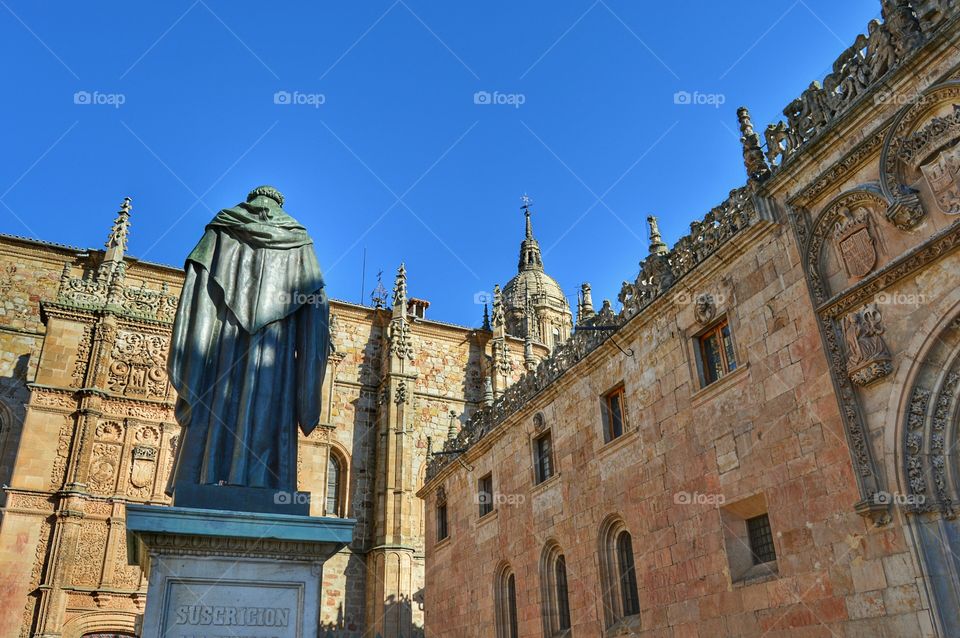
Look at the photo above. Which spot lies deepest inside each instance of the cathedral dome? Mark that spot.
(541, 287)
(535, 299)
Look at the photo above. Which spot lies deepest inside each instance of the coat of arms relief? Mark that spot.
(855, 244)
(920, 162)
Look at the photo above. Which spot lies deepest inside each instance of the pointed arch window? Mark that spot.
(505, 603)
(333, 506)
(618, 573)
(554, 594)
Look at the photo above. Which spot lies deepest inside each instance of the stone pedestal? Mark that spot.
(215, 573)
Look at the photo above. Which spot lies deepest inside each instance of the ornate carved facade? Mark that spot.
(87, 425)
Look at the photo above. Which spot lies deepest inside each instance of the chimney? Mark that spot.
(417, 307)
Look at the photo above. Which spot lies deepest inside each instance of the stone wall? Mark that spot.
(835, 266)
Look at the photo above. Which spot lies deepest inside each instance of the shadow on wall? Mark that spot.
(14, 395)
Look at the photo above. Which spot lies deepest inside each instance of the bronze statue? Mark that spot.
(247, 357)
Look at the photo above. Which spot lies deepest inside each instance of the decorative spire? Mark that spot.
(529, 360)
(400, 288)
(379, 295)
(657, 247)
(585, 304)
(526, 201)
(452, 428)
(753, 159)
(117, 240)
(486, 317)
(530, 257)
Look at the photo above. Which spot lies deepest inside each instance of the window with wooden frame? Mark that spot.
(715, 349)
(543, 457)
(485, 494)
(612, 412)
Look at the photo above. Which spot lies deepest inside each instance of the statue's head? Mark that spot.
(266, 191)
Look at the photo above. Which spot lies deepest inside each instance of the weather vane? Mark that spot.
(526, 201)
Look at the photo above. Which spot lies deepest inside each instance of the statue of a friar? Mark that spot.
(247, 357)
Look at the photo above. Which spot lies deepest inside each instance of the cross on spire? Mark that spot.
(525, 207)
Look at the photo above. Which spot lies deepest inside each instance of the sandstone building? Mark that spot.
(761, 441)
(86, 425)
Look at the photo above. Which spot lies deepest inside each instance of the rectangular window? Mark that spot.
(441, 521)
(612, 408)
(485, 494)
(716, 352)
(761, 539)
(543, 457)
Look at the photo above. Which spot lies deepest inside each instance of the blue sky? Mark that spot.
(378, 141)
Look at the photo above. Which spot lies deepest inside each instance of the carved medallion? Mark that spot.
(705, 308)
(940, 175)
(854, 243)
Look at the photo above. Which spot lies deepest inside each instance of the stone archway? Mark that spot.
(101, 624)
(928, 459)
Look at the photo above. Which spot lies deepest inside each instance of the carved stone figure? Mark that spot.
(868, 358)
(248, 351)
(881, 53)
(705, 308)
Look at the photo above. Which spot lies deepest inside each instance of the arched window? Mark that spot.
(553, 590)
(618, 573)
(505, 603)
(334, 503)
(627, 574)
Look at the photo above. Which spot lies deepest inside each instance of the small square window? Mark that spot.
(748, 540)
(761, 539)
(716, 352)
(612, 408)
(543, 457)
(485, 494)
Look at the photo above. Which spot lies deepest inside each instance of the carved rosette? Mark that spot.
(920, 160)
